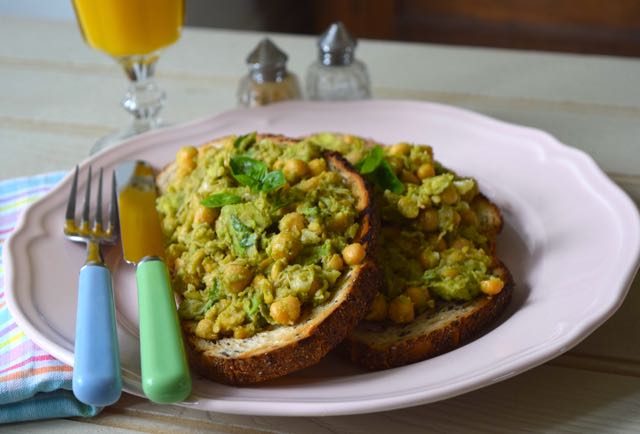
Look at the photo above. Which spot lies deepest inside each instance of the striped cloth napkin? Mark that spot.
(33, 384)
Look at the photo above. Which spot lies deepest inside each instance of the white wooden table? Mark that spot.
(58, 96)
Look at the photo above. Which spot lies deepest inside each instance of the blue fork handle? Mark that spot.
(96, 370)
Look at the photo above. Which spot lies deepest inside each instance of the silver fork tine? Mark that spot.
(97, 220)
(71, 204)
(113, 207)
(87, 200)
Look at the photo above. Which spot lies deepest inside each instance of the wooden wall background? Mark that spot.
(581, 26)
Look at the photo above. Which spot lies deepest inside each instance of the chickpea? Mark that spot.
(407, 176)
(461, 243)
(241, 333)
(317, 166)
(456, 218)
(378, 310)
(315, 226)
(469, 217)
(449, 195)
(419, 297)
(353, 254)
(441, 244)
(285, 311)
(399, 149)
(401, 310)
(236, 277)
(429, 259)
(335, 262)
(316, 283)
(295, 170)
(285, 246)
(185, 158)
(205, 214)
(292, 222)
(338, 222)
(491, 286)
(408, 207)
(425, 170)
(455, 256)
(349, 139)
(429, 220)
(186, 153)
(204, 329)
(396, 164)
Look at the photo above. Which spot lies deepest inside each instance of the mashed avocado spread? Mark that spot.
(258, 233)
(436, 243)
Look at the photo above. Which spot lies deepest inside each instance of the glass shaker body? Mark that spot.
(252, 93)
(337, 82)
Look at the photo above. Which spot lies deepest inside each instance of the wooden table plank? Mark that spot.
(545, 399)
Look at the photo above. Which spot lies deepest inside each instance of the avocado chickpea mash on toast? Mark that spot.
(269, 245)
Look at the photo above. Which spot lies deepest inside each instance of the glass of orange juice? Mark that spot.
(133, 32)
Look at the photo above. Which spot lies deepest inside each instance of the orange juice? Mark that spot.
(129, 27)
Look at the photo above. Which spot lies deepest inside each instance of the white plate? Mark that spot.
(571, 239)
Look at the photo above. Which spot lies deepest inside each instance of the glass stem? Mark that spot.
(144, 99)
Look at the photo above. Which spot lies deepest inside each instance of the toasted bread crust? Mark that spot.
(384, 345)
(274, 353)
(306, 349)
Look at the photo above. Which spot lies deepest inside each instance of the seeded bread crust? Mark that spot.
(285, 349)
(383, 345)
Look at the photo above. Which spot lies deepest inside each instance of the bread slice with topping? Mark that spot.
(443, 282)
(261, 299)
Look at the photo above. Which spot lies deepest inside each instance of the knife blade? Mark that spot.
(165, 373)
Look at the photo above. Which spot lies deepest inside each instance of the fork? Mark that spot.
(96, 371)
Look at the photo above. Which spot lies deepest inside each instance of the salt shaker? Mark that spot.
(337, 74)
(268, 79)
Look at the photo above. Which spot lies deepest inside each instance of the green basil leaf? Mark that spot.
(384, 178)
(254, 305)
(272, 181)
(221, 199)
(212, 297)
(372, 161)
(247, 167)
(280, 202)
(249, 240)
(243, 142)
(248, 181)
(246, 237)
(254, 174)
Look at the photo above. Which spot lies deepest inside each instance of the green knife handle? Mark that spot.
(165, 373)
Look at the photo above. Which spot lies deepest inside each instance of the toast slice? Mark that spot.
(380, 342)
(282, 349)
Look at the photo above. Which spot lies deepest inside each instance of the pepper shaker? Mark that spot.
(337, 74)
(268, 79)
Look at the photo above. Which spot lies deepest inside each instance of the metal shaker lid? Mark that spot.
(267, 62)
(337, 47)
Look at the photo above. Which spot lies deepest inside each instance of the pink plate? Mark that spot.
(562, 213)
